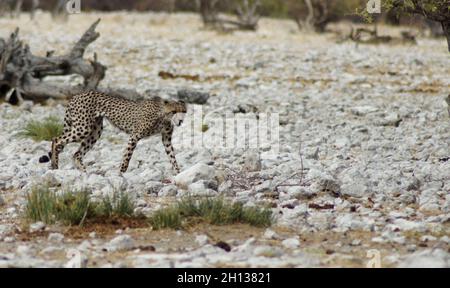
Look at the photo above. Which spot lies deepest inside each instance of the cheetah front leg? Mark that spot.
(58, 143)
(132, 142)
(167, 142)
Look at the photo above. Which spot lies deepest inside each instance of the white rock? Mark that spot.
(200, 189)
(122, 242)
(51, 250)
(291, 243)
(342, 142)
(153, 187)
(406, 225)
(55, 237)
(168, 191)
(38, 226)
(356, 189)
(246, 247)
(23, 250)
(299, 192)
(201, 240)
(270, 234)
(77, 259)
(5, 229)
(84, 246)
(193, 174)
(252, 160)
(320, 221)
(268, 251)
(363, 110)
(427, 238)
(9, 239)
(354, 183)
(50, 178)
(427, 259)
(226, 187)
(445, 239)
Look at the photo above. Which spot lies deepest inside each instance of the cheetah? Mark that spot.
(83, 123)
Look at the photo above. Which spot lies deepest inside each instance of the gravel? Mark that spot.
(368, 125)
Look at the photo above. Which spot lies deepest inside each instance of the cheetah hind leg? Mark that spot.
(58, 144)
(87, 143)
(132, 142)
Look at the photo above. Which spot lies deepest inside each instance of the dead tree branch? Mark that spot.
(298, 176)
(246, 14)
(24, 72)
(368, 36)
(314, 14)
(439, 13)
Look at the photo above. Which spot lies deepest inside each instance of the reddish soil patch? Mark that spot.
(102, 226)
(105, 226)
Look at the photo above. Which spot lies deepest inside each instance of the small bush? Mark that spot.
(205, 127)
(48, 206)
(120, 205)
(45, 130)
(214, 211)
(166, 218)
(74, 207)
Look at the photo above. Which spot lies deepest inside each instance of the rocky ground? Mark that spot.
(367, 125)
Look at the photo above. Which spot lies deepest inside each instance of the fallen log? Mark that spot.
(24, 76)
(22, 73)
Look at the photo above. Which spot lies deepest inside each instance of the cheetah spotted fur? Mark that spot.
(83, 123)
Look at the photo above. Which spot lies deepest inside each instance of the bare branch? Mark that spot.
(22, 70)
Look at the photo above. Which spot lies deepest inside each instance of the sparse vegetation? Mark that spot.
(205, 127)
(74, 207)
(166, 218)
(44, 130)
(215, 211)
(49, 206)
(434, 10)
(120, 204)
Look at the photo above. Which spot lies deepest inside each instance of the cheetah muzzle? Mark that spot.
(83, 123)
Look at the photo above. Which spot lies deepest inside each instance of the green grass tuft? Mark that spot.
(166, 218)
(205, 127)
(74, 207)
(46, 205)
(214, 211)
(45, 130)
(120, 204)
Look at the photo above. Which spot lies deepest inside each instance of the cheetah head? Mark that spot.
(175, 111)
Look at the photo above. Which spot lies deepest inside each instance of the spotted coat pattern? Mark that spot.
(83, 123)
